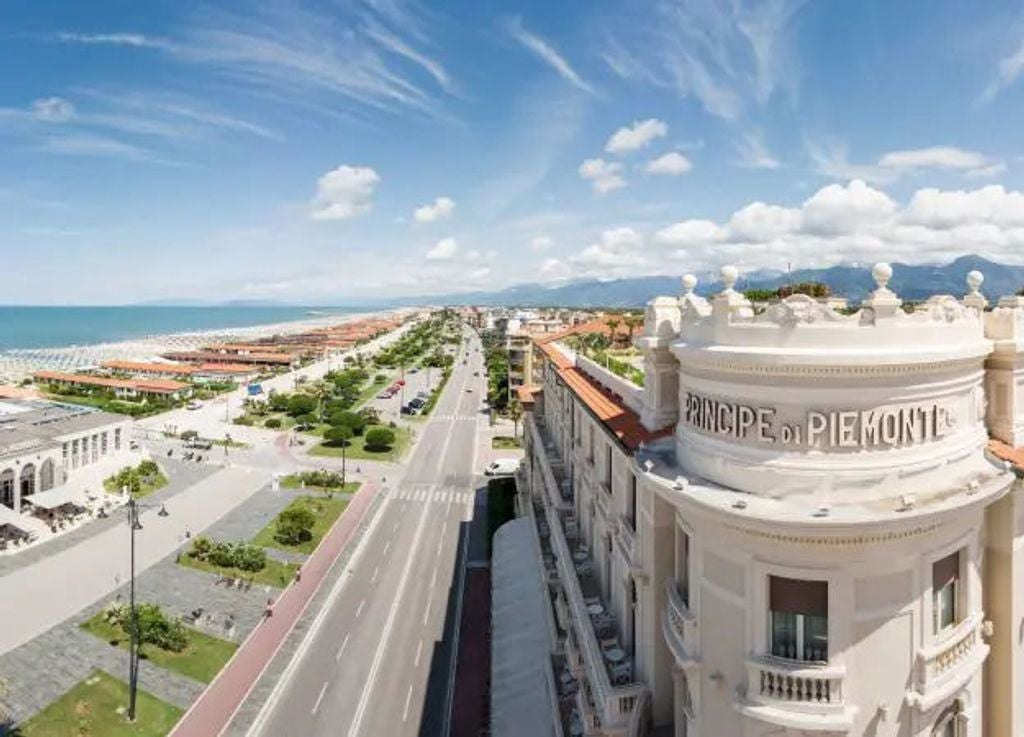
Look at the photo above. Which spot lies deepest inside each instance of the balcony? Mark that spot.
(602, 500)
(625, 538)
(946, 667)
(796, 695)
(679, 627)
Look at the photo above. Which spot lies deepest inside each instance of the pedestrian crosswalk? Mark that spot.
(456, 417)
(445, 496)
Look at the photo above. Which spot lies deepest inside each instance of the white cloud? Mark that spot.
(441, 208)
(836, 209)
(343, 193)
(605, 176)
(553, 268)
(546, 52)
(753, 153)
(855, 223)
(541, 243)
(671, 164)
(444, 250)
(636, 136)
(53, 110)
(1010, 68)
(935, 157)
(690, 233)
(831, 160)
(615, 250)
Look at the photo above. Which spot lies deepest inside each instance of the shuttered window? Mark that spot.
(798, 618)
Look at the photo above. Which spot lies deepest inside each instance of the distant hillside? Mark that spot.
(911, 282)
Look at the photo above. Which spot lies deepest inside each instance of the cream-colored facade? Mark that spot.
(803, 523)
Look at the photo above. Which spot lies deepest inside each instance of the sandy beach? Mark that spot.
(16, 364)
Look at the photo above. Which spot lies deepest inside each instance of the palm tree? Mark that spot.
(633, 321)
(613, 325)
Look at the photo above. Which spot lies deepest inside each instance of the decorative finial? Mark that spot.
(729, 275)
(689, 284)
(882, 273)
(974, 281)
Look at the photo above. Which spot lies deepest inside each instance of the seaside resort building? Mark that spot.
(50, 452)
(805, 523)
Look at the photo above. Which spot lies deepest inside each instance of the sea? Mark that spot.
(58, 327)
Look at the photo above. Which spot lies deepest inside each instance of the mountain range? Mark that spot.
(911, 282)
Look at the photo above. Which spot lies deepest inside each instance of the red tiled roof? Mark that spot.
(157, 386)
(609, 409)
(226, 368)
(1007, 452)
(148, 368)
(527, 394)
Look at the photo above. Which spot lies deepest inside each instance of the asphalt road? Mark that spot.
(380, 661)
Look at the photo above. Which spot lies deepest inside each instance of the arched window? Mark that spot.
(46, 475)
(950, 722)
(28, 480)
(7, 488)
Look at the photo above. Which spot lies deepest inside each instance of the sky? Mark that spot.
(340, 151)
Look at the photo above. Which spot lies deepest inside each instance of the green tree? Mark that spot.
(295, 525)
(338, 435)
(613, 325)
(301, 404)
(347, 418)
(380, 438)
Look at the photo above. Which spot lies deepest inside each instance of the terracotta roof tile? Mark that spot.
(623, 422)
(1007, 452)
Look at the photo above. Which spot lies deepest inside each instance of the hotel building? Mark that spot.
(804, 523)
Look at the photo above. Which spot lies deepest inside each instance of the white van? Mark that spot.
(502, 467)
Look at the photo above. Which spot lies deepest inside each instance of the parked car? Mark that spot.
(385, 395)
(416, 403)
(407, 410)
(502, 467)
(194, 405)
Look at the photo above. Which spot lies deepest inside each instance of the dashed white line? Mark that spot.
(387, 547)
(439, 548)
(342, 648)
(426, 612)
(405, 711)
(375, 572)
(433, 578)
(320, 698)
(419, 651)
(360, 609)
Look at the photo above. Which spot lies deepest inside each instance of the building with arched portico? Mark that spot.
(805, 522)
(43, 444)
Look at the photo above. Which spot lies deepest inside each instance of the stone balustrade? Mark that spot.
(796, 695)
(944, 668)
(679, 626)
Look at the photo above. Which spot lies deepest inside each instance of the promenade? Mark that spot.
(213, 710)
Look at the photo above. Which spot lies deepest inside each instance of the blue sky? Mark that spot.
(330, 152)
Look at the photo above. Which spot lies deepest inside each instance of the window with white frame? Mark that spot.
(949, 723)
(683, 565)
(798, 619)
(946, 592)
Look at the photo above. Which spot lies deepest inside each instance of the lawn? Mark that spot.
(275, 573)
(201, 660)
(149, 485)
(292, 481)
(89, 709)
(505, 442)
(357, 450)
(326, 512)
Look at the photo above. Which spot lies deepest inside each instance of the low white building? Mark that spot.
(803, 523)
(43, 444)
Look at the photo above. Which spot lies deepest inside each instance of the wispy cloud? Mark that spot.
(292, 50)
(1010, 69)
(100, 146)
(547, 53)
(832, 160)
(753, 153)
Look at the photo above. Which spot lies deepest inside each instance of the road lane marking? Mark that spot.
(341, 649)
(387, 547)
(360, 609)
(408, 698)
(433, 578)
(275, 696)
(319, 698)
(419, 651)
(373, 578)
(385, 635)
(439, 548)
(426, 612)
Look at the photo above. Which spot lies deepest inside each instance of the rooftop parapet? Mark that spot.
(802, 330)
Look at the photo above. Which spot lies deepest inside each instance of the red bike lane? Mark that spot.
(213, 711)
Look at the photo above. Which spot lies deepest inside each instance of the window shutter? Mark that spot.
(798, 597)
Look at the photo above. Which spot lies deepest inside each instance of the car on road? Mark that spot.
(385, 395)
(469, 390)
(502, 467)
(476, 373)
(408, 410)
(417, 403)
(193, 405)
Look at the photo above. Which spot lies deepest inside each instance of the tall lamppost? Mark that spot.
(133, 652)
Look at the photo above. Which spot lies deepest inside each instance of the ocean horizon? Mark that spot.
(28, 327)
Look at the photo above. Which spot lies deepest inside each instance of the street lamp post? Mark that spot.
(133, 652)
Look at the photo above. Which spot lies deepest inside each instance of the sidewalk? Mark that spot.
(212, 712)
